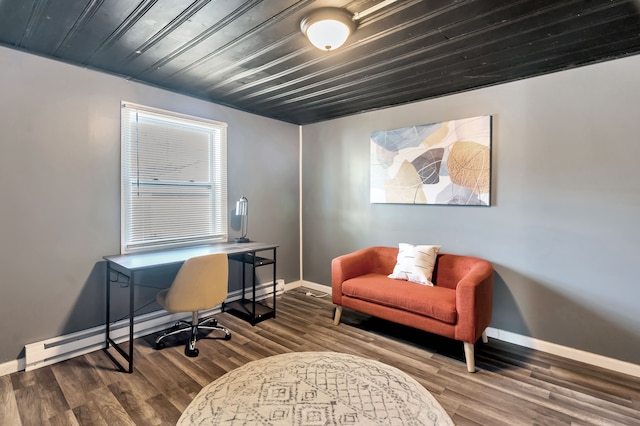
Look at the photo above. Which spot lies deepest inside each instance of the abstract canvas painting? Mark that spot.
(440, 163)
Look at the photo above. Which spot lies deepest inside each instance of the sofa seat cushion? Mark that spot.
(434, 302)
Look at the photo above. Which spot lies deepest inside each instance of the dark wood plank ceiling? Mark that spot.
(251, 55)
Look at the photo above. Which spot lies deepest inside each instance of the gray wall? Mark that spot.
(60, 190)
(563, 229)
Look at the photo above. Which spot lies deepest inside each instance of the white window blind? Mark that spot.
(174, 179)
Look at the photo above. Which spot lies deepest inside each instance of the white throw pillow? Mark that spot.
(415, 263)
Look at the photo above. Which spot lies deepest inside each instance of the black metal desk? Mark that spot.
(128, 265)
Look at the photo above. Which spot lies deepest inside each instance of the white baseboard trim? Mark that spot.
(528, 342)
(12, 366)
(64, 347)
(565, 352)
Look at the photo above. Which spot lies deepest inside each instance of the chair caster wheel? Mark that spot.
(227, 337)
(191, 353)
(160, 345)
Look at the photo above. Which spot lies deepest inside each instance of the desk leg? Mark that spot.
(131, 313)
(253, 289)
(274, 281)
(108, 315)
(244, 265)
(108, 340)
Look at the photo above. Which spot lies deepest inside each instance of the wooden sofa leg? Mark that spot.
(485, 339)
(336, 317)
(470, 357)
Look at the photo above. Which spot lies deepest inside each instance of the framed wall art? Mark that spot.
(440, 163)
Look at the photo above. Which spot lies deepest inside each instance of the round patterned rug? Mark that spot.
(315, 388)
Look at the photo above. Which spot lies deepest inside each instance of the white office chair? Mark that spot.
(201, 283)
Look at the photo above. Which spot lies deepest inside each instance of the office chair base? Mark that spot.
(183, 326)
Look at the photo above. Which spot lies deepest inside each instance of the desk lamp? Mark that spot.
(242, 209)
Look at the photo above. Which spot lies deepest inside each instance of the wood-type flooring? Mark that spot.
(513, 385)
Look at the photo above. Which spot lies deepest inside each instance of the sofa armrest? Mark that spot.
(361, 262)
(474, 301)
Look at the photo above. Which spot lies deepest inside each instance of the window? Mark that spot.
(174, 179)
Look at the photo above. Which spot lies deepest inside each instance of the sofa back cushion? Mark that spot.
(448, 271)
(382, 259)
(451, 268)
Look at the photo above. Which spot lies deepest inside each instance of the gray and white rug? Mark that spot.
(315, 388)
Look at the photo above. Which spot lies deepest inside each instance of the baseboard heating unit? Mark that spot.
(61, 348)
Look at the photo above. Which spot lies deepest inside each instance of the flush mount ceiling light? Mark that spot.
(328, 28)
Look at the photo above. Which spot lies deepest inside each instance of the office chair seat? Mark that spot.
(201, 284)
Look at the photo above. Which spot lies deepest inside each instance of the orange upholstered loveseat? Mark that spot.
(458, 306)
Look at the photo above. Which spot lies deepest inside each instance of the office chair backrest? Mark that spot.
(201, 283)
